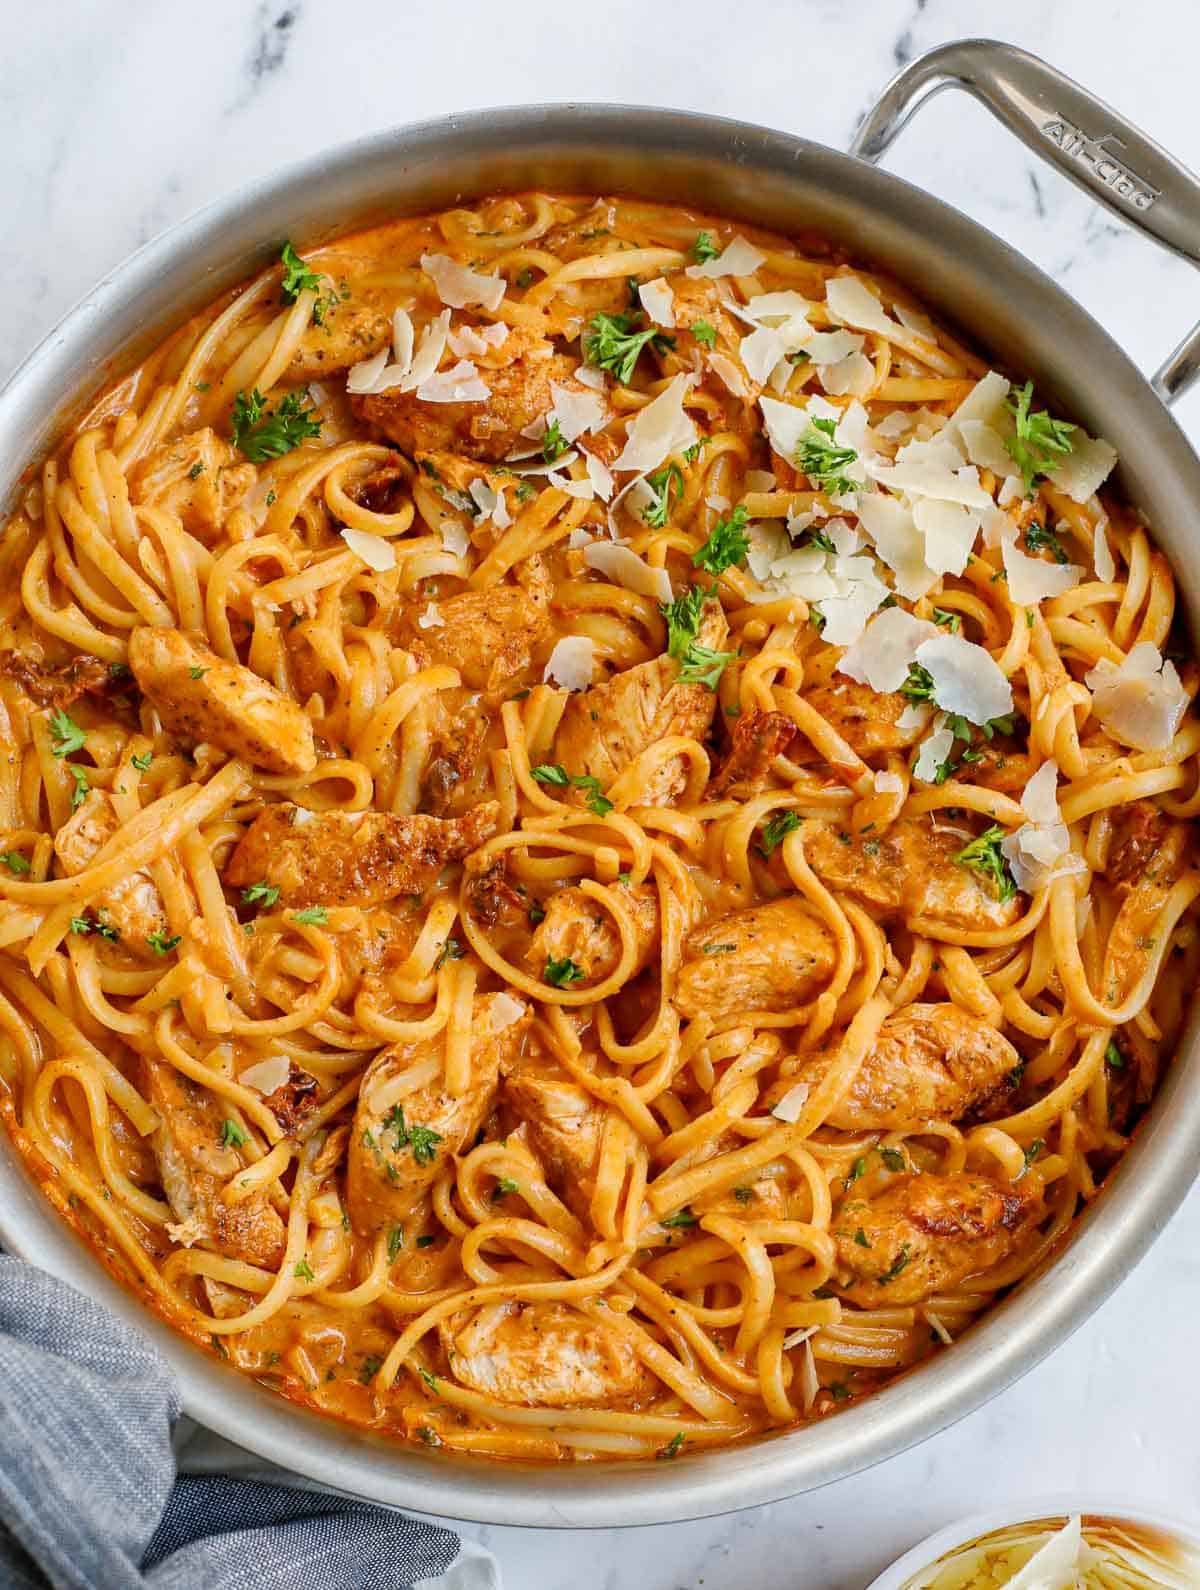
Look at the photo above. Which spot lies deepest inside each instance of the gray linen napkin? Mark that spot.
(89, 1498)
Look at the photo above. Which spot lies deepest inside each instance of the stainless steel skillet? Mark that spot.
(1005, 305)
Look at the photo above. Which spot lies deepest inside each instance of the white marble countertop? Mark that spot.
(120, 119)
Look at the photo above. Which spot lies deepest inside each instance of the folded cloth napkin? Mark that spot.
(89, 1497)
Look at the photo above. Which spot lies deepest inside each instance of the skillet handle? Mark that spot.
(1080, 135)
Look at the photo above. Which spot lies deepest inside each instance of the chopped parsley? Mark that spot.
(825, 463)
(429, 1435)
(683, 618)
(68, 736)
(195, 471)
(983, 856)
(681, 1218)
(728, 544)
(559, 973)
(919, 684)
(554, 443)
(297, 278)
(504, 1186)
(142, 763)
(1113, 1056)
(613, 343)
(859, 1168)
(860, 1236)
(890, 1274)
(703, 332)
(1031, 1153)
(950, 621)
(423, 1140)
(704, 249)
(261, 434)
(660, 483)
(1041, 442)
(161, 944)
(197, 673)
(14, 860)
(718, 949)
(303, 1271)
(554, 773)
(776, 831)
(426, 1242)
(232, 1135)
(451, 950)
(701, 665)
(311, 916)
(893, 1159)
(264, 894)
(1040, 538)
(744, 1195)
(395, 1241)
(674, 1445)
(370, 1367)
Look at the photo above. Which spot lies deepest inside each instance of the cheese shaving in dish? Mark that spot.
(760, 352)
(576, 412)
(737, 258)
(966, 678)
(934, 752)
(1032, 580)
(1086, 467)
(826, 348)
(454, 538)
(470, 341)
(730, 375)
(658, 301)
(788, 1108)
(1141, 701)
(430, 617)
(600, 476)
(590, 375)
(658, 430)
(624, 567)
(887, 649)
(1106, 567)
(571, 663)
(887, 783)
(573, 488)
(1034, 852)
(490, 504)
(461, 383)
(851, 301)
(429, 353)
(375, 552)
(267, 1076)
(505, 1011)
(854, 374)
(461, 287)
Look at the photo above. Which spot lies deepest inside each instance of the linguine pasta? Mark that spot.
(595, 840)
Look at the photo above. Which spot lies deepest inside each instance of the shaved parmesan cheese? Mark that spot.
(429, 352)
(737, 258)
(1102, 554)
(658, 430)
(375, 552)
(810, 1386)
(785, 313)
(915, 716)
(571, 662)
(860, 593)
(793, 1101)
(768, 543)
(761, 479)
(431, 618)
(1011, 489)
(891, 526)
(949, 530)
(760, 352)
(363, 377)
(403, 338)
(600, 476)
(658, 301)
(1031, 580)
(985, 402)
(1141, 702)
(466, 340)
(576, 412)
(591, 375)
(460, 384)
(933, 469)
(785, 424)
(1035, 850)
(888, 783)
(887, 649)
(851, 301)
(935, 748)
(266, 1076)
(459, 286)
(581, 489)
(829, 347)
(579, 538)
(717, 504)
(454, 538)
(1086, 468)
(966, 678)
(505, 1010)
(853, 374)
(731, 377)
(918, 324)
(1052, 1566)
(985, 447)
(897, 423)
(490, 503)
(557, 467)
(624, 567)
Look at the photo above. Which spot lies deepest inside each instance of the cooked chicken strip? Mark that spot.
(908, 871)
(401, 1139)
(196, 477)
(770, 957)
(575, 928)
(543, 1355)
(133, 906)
(200, 696)
(350, 330)
(868, 720)
(928, 1062)
(758, 738)
(1133, 937)
(604, 728)
(194, 1165)
(565, 1125)
(352, 858)
(927, 1233)
(520, 393)
(490, 636)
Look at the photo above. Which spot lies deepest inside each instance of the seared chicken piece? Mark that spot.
(1133, 937)
(697, 299)
(194, 1165)
(565, 1126)
(400, 1139)
(519, 394)
(770, 957)
(908, 871)
(544, 1355)
(764, 1199)
(866, 719)
(605, 727)
(352, 858)
(576, 928)
(351, 329)
(195, 477)
(1139, 832)
(758, 738)
(927, 1233)
(929, 1061)
(199, 696)
(133, 906)
(490, 636)
(54, 686)
(456, 756)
